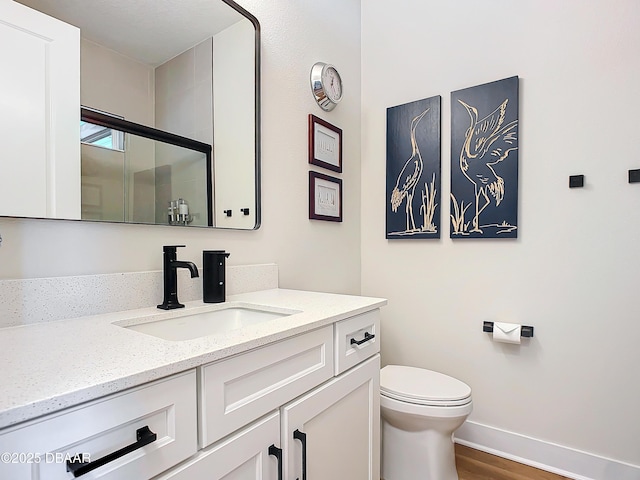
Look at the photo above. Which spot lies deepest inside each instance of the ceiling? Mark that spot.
(149, 31)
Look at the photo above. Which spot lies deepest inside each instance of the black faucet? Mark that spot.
(170, 265)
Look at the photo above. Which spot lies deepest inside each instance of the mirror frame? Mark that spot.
(258, 131)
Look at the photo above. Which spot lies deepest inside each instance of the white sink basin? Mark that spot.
(202, 324)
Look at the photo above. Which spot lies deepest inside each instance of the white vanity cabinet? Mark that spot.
(320, 422)
(322, 394)
(332, 432)
(302, 408)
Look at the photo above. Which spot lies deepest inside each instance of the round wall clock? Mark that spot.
(326, 85)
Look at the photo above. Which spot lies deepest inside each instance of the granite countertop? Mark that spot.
(50, 366)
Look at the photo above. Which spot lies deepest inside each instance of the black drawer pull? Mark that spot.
(277, 452)
(144, 436)
(367, 336)
(298, 435)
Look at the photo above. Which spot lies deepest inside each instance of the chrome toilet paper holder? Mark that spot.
(525, 330)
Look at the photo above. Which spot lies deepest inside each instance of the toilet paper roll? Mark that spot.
(506, 332)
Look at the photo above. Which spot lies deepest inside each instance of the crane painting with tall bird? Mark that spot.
(484, 161)
(413, 170)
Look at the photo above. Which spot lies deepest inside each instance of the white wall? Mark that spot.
(116, 84)
(572, 273)
(311, 254)
(103, 183)
(183, 93)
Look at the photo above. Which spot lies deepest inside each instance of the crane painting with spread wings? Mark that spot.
(413, 170)
(484, 161)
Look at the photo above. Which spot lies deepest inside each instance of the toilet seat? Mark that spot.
(423, 387)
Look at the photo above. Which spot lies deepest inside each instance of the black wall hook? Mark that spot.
(576, 181)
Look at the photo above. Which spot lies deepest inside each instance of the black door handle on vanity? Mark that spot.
(144, 437)
(277, 452)
(298, 435)
(367, 336)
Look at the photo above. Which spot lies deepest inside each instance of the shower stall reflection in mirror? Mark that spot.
(137, 174)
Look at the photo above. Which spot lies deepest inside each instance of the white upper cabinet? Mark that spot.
(40, 121)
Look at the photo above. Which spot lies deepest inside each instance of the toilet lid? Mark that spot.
(424, 387)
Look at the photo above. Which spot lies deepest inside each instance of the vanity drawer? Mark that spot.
(166, 408)
(357, 338)
(238, 390)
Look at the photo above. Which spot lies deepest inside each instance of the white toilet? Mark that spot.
(420, 410)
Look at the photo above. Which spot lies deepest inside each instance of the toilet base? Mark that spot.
(417, 455)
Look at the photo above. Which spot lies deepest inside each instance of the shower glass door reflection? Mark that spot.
(136, 179)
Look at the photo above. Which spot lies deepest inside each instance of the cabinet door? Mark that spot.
(40, 121)
(246, 455)
(333, 432)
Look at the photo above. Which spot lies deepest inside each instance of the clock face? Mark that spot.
(326, 85)
(332, 84)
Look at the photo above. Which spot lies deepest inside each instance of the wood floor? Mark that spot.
(476, 465)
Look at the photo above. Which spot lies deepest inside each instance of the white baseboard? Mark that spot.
(547, 456)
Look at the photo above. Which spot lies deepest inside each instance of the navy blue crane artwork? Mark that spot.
(484, 161)
(413, 170)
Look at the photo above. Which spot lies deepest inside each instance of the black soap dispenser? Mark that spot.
(213, 276)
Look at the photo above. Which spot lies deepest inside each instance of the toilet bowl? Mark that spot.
(420, 410)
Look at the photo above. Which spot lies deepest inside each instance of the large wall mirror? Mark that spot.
(140, 111)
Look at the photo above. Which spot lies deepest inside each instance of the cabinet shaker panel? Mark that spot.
(238, 390)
